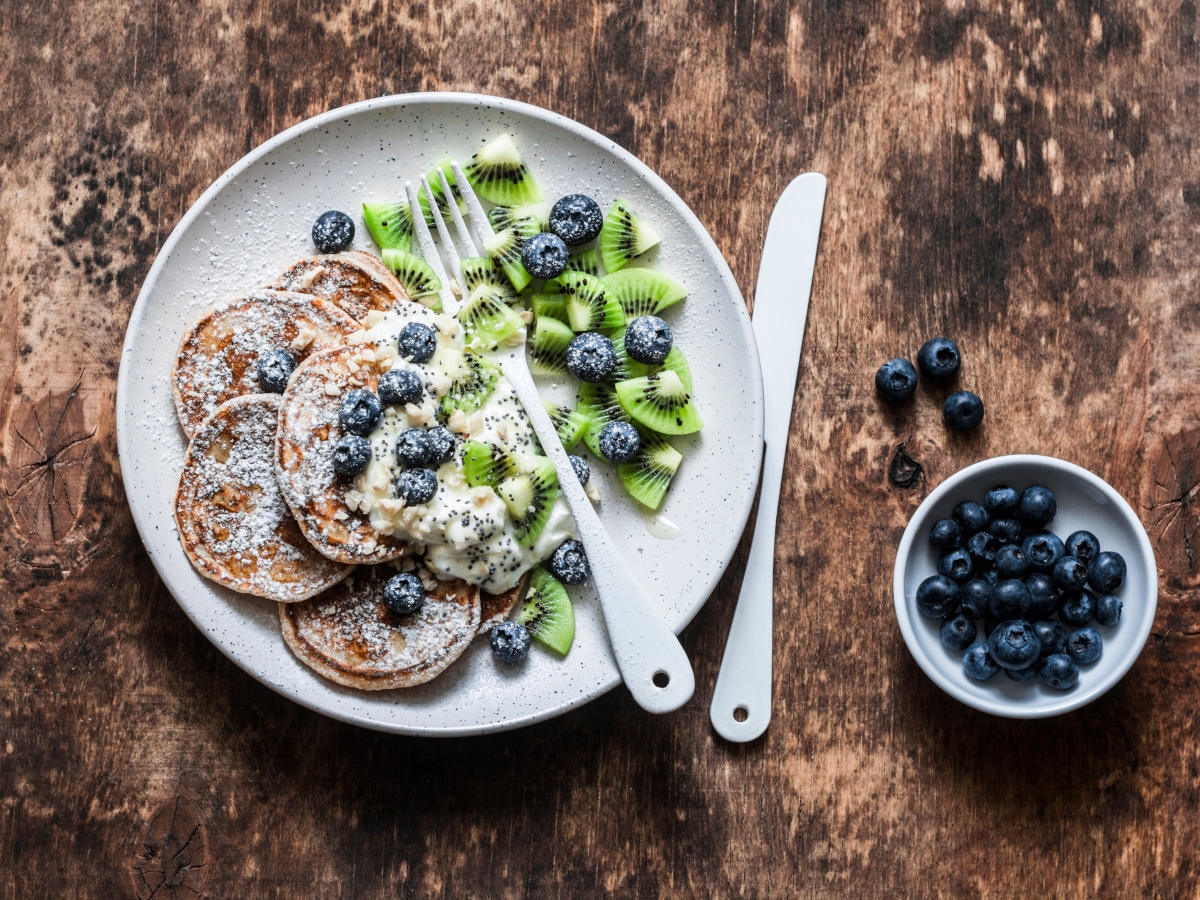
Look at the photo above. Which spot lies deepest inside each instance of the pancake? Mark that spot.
(233, 522)
(355, 281)
(218, 356)
(308, 431)
(494, 608)
(349, 635)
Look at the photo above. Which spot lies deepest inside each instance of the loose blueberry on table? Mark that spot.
(939, 358)
(896, 380)
(963, 410)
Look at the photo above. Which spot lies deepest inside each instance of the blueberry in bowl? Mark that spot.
(1038, 506)
(983, 547)
(1083, 545)
(1010, 599)
(1044, 549)
(1011, 562)
(945, 534)
(958, 632)
(1077, 607)
(1014, 644)
(971, 517)
(976, 596)
(1008, 531)
(956, 565)
(1002, 501)
(937, 596)
(977, 662)
(1043, 595)
(1069, 574)
(1053, 636)
(1106, 572)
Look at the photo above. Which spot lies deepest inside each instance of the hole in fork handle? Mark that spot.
(741, 714)
(661, 679)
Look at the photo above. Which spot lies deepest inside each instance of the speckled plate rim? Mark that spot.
(1003, 706)
(708, 245)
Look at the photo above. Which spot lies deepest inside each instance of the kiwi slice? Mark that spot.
(550, 306)
(390, 224)
(533, 214)
(473, 380)
(627, 368)
(660, 402)
(487, 464)
(547, 613)
(569, 423)
(439, 196)
(529, 497)
(643, 292)
(504, 247)
(548, 349)
(588, 261)
(623, 236)
(499, 174)
(487, 320)
(648, 475)
(412, 272)
(599, 403)
(587, 305)
(479, 270)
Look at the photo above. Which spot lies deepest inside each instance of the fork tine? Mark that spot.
(479, 220)
(444, 234)
(429, 249)
(464, 233)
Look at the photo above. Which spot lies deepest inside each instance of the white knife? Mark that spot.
(741, 704)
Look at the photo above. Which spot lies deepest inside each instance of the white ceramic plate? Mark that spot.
(1085, 501)
(257, 218)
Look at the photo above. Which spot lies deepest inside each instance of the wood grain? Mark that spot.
(1022, 176)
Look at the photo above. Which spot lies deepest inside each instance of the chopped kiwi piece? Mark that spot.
(487, 319)
(648, 475)
(414, 273)
(479, 270)
(548, 349)
(529, 497)
(390, 224)
(550, 306)
(538, 214)
(435, 185)
(569, 423)
(487, 464)
(623, 236)
(499, 174)
(599, 403)
(643, 292)
(547, 612)
(660, 402)
(587, 306)
(588, 261)
(473, 380)
(504, 247)
(627, 368)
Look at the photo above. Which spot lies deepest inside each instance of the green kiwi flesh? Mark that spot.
(550, 306)
(599, 403)
(588, 261)
(499, 174)
(439, 196)
(532, 214)
(390, 224)
(479, 270)
(504, 247)
(529, 497)
(627, 368)
(647, 476)
(660, 402)
(487, 464)
(548, 348)
(487, 320)
(414, 273)
(587, 306)
(643, 292)
(571, 424)
(473, 382)
(623, 236)
(547, 612)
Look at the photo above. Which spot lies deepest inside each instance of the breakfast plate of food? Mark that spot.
(332, 474)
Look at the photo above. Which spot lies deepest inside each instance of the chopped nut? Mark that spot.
(359, 337)
(475, 422)
(303, 338)
(418, 415)
(331, 389)
(455, 480)
(341, 515)
(356, 382)
(592, 490)
(354, 498)
(309, 277)
(447, 325)
(457, 422)
(390, 506)
(372, 318)
(502, 431)
(368, 546)
(525, 315)
(407, 564)
(353, 364)
(441, 383)
(482, 495)
(367, 354)
(427, 580)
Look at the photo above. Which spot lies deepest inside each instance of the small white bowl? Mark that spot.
(1084, 502)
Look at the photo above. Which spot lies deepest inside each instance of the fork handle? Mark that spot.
(643, 644)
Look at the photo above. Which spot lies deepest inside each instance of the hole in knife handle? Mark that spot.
(661, 679)
(741, 714)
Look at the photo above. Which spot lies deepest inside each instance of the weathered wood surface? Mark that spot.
(1024, 176)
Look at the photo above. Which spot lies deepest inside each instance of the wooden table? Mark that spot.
(1024, 177)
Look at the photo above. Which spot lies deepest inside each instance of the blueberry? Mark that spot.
(544, 256)
(1106, 571)
(1085, 646)
(417, 342)
(275, 367)
(1108, 610)
(404, 594)
(939, 358)
(1069, 573)
(1044, 549)
(990, 575)
(1028, 673)
(976, 597)
(1038, 506)
(956, 565)
(400, 386)
(1077, 607)
(1043, 595)
(937, 597)
(1060, 672)
(962, 410)
(333, 231)
(1007, 530)
(582, 470)
(958, 632)
(417, 486)
(978, 664)
(896, 379)
(351, 455)
(1010, 599)
(1014, 644)
(590, 356)
(648, 339)
(569, 563)
(412, 448)
(1083, 545)
(1011, 562)
(1053, 636)
(441, 445)
(971, 516)
(1002, 501)
(619, 442)
(945, 534)
(359, 412)
(576, 219)
(510, 642)
(983, 546)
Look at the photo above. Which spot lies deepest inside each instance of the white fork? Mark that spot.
(652, 661)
